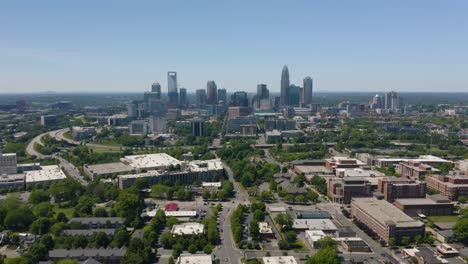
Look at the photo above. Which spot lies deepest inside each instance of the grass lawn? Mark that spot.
(68, 211)
(104, 148)
(444, 219)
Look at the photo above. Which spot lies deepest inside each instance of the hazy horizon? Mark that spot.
(117, 46)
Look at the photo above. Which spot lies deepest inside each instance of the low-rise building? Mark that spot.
(446, 251)
(384, 219)
(426, 206)
(12, 181)
(325, 225)
(313, 236)
(47, 174)
(415, 170)
(200, 170)
(195, 259)
(104, 255)
(463, 166)
(265, 230)
(343, 162)
(88, 232)
(49, 120)
(98, 222)
(279, 260)
(187, 229)
(355, 245)
(97, 171)
(397, 188)
(83, 132)
(450, 186)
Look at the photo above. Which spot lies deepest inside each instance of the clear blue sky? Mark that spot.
(372, 45)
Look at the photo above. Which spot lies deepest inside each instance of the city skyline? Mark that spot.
(367, 46)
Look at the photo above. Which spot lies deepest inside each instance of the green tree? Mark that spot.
(392, 242)
(40, 226)
(460, 230)
(254, 230)
(405, 241)
(38, 196)
(326, 255)
(208, 249)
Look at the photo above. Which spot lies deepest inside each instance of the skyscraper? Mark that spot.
(156, 88)
(285, 86)
(183, 97)
(262, 92)
(222, 96)
(200, 95)
(172, 89)
(211, 93)
(239, 99)
(294, 95)
(392, 102)
(306, 96)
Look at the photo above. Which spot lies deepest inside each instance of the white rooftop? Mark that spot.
(211, 184)
(265, 228)
(180, 213)
(191, 228)
(314, 224)
(156, 160)
(195, 259)
(279, 260)
(46, 173)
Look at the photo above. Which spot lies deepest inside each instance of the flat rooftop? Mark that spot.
(195, 259)
(384, 212)
(191, 228)
(46, 173)
(109, 168)
(156, 160)
(279, 260)
(314, 224)
(419, 201)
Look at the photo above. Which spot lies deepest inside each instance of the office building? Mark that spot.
(47, 174)
(157, 107)
(83, 132)
(280, 124)
(138, 127)
(198, 127)
(222, 96)
(49, 120)
(384, 219)
(450, 186)
(200, 95)
(172, 92)
(394, 188)
(89, 255)
(306, 95)
(234, 125)
(239, 99)
(211, 93)
(157, 125)
(156, 88)
(393, 102)
(262, 92)
(14, 181)
(463, 166)
(8, 162)
(433, 206)
(183, 98)
(183, 172)
(294, 95)
(377, 102)
(284, 99)
(343, 190)
(236, 111)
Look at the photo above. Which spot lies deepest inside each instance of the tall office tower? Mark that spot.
(294, 95)
(222, 96)
(262, 92)
(156, 88)
(200, 95)
(376, 102)
(198, 127)
(211, 93)
(306, 96)
(239, 99)
(183, 97)
(8, 163)
(172, 89)
(132, 109)
(392, 102)
(285, 86)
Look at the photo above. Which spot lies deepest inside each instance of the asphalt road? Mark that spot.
(30, 148)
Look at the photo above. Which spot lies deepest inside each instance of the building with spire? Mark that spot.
(284, 99)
